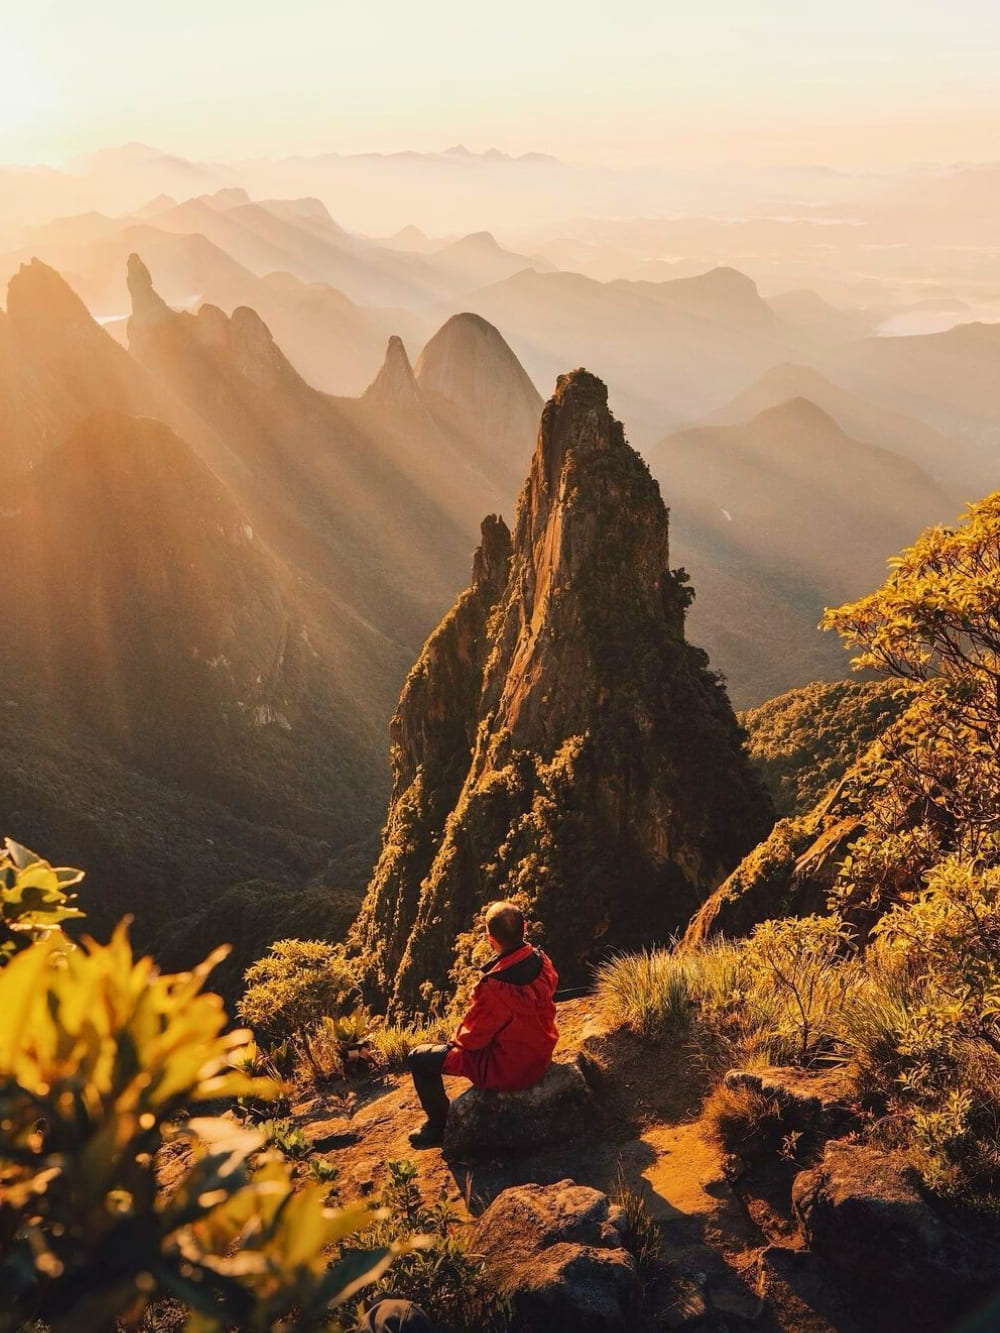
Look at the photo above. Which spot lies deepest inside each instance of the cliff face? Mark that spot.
(558, 737)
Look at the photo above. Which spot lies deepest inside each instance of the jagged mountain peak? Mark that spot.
(147, 304)
(395, 385)
(37, 294)
(558, 738)
(243, 337)
(576, 417)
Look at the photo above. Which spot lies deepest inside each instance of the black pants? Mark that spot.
(426, 1063)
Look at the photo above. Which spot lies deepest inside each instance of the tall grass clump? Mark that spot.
(390, 1044)
(775, 998)
(647, 992)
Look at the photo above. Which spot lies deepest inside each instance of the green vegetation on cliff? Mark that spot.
(559, 738)
(889, 966)
(805, 740)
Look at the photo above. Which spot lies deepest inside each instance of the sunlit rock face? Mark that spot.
(558, 737)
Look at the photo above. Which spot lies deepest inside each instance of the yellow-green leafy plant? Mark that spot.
(339, 1043)
(102, 1062)
(931, 787)
(34, 898)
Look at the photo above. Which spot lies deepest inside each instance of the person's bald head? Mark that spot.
(505, 924)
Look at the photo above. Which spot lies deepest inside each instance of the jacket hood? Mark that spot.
(519, 971)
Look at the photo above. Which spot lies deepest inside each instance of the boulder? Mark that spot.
(559, 1253)
(483, 1122)
(817, 1104)
(862, 1209)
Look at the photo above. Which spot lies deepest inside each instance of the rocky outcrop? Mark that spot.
(559, 1253)
(559, 739)
(432, 734)
(395, 385)
(560, 1108)
(863, 1210)
(803, 1102)
(791, 873)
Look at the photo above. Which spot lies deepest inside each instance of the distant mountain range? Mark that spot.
(237, 494)
(218, 574)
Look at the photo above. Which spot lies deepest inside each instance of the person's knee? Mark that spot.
(426, 1059)
(417, 1061)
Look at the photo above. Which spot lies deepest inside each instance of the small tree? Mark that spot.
(798, 959)
(932, 787)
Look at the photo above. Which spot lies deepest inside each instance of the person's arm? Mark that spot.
(483, 1020)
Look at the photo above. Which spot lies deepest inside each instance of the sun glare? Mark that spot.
(28, 95)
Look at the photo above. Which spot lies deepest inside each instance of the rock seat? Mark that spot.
(483, 1123)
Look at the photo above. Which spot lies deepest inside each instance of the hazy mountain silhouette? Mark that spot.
(229, 618)
(948, 379)
(670, 351)
(776, 518)
(943, 458)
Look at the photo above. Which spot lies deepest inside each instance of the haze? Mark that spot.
(286, 290)
(638, 83)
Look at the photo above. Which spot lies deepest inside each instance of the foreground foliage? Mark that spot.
(445, 1278)
(899, 980)
(102, 1061)
(930, 789)
(34, 898)
(914, 1016)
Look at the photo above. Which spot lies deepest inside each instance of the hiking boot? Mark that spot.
(429, 1136)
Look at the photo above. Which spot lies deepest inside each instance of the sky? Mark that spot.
(634, 82)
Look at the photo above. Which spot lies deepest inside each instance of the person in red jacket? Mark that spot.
(508, 1034)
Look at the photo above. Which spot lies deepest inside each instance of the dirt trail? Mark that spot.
(733, 1257)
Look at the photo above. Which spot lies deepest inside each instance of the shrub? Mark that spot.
(389, 1044)
(287, 1137)
(799, 980)
(293, 987)
(445, 1277)
(100, 1058)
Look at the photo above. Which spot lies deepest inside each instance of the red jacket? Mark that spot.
(508, 1034)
